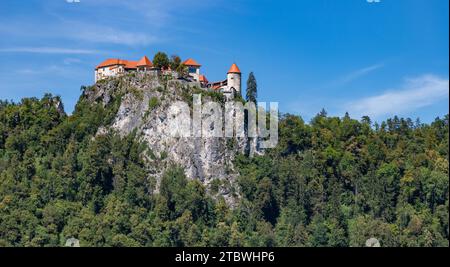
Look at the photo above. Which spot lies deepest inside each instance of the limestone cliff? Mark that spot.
(142, 102)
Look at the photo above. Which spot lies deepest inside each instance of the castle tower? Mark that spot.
(144, 64)
(234, 79)
(193, 69)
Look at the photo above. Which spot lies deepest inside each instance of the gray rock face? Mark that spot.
(144, 107)
(373, 243)
(59, 107)
(72, 242)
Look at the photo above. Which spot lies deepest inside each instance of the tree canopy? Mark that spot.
(252, 88)
(331, 182)
(161, 60)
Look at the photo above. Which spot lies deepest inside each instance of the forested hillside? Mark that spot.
(329, 182)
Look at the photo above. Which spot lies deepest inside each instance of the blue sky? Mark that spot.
(378, 59)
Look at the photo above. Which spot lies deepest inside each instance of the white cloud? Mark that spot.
(350, 77)
(43, 70)
(70, 61)
(359, 73)
(128, 23)
(100, 34)
(74, 31)
(416, 93)
(47, 50)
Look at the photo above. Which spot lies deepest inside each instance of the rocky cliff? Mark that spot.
(141, 103)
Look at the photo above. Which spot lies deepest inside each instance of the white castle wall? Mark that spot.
(104, 72)
(234, 81)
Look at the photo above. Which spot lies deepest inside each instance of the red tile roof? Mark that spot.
(109, 62)
(191, 62)
(234, 69)
(115, 61)
(144, 62)
(130, 64)
(203, 79)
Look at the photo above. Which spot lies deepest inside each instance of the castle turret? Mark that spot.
(234, 79)
(144, 64)
(193, 69)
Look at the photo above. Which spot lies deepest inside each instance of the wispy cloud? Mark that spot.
(104, 22)
(416, 93)
(47, 50)
(108, 35)
(349, 77)
(81, 33)
(70, 61)
(360, 73)
(60, 70)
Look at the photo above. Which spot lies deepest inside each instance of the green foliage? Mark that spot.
(334, 182)
(339, 182)
(160, 60)
(187, 95)
(175, 62)
(183, 70)
(252, 88)
(215, 186)
(138, 94)
(153, 103)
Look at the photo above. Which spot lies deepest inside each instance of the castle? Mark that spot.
(115, 67)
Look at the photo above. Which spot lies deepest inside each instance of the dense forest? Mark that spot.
(330, 182)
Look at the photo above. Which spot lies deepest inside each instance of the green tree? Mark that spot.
(331, 182)
(160, 60)
(175, 62)
(252, 88)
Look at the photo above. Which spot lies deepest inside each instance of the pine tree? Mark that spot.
(252, 91)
